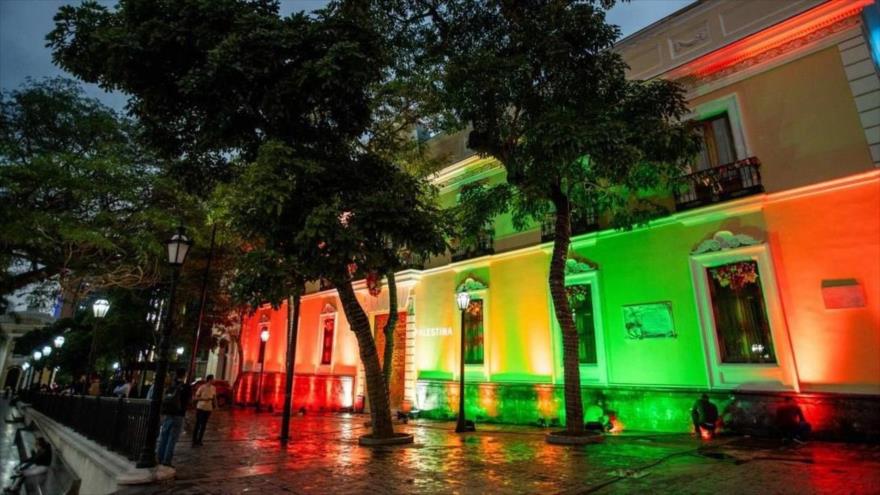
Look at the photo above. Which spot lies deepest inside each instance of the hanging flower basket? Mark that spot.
(374, 283)
(736, 275)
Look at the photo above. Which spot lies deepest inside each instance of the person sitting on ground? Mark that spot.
(791, 422)
(35, 465)
(705, 416)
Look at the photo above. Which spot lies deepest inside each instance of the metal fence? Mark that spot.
(118, 424)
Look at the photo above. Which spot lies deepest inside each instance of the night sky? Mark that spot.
(25, 23)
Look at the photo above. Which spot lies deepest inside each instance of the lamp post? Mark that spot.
(37, 356)
(178, 247)
(23, 383)
(264, 337)
(99, 310)
(463, 299)
(179, 352)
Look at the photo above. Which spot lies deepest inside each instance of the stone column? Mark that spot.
(409, 368)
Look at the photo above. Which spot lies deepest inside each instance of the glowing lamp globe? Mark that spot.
(26, 366)
(100, 308)
(264, 335)
(37, 355)
(179, 351)
(47, 350)
(463, 299)
(58, 342)
(116, 365)
(178, 247)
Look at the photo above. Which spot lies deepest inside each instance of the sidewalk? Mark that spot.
(242, 455)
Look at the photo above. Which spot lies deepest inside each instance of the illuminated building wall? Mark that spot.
(793, 83)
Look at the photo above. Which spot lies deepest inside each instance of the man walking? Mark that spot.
(206, 397)
(174, 405)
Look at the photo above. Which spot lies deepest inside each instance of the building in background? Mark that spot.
(764, 282)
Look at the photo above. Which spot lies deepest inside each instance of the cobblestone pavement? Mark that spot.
(241, 454)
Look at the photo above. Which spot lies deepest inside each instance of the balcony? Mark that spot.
(717, 184)
(483, 244)
(581, 223)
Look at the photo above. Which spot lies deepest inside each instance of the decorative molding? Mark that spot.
(471, 284)
(723, 240)
(698, 37)
(721, 70)
(328, 309)
(574, 266)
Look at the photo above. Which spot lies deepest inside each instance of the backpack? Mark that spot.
(172, 402)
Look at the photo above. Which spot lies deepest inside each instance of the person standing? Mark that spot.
(174, 404)
(205, 399)
(705, 417)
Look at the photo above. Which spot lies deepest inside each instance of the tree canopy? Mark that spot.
(82, 202)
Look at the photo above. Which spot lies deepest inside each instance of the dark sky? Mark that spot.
(24, 24)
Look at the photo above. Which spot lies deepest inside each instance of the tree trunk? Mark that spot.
(292, 333)
(239, 351)
(390, 325)
(377, 389)
(574, 409)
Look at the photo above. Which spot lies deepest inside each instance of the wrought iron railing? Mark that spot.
(483, 244)
(717, 184)
(118, 424)
(581, 223)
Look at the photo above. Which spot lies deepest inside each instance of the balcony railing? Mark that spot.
(581, 223)
(484, 244)
(718, 184)
(118, 424)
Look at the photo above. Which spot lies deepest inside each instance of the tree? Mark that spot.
(291, 101)
(82, 202)
(546, 95)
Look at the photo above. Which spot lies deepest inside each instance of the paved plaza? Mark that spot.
(241, 455)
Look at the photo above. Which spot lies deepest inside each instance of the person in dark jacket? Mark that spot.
(791, 422)
(35, 465)
(174, 404)
(705, 417)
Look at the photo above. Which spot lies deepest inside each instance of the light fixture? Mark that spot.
(58, 342)
(26, 366)
(37, 355)
(178, 247)
(264, 335)
(463, 299)
(100, 308)
(47, 350)
(116, 365)
(179, 351)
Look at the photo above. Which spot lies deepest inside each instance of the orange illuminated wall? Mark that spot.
(831, 235)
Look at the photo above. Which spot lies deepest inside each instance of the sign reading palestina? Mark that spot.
(651, 320)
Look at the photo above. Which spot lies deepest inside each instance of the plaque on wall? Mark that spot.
(647, 321)
(843, 293)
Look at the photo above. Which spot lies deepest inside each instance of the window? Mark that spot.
(741, 322)
(718, 146)
(580, 300)
(327, 343)
(473, 332)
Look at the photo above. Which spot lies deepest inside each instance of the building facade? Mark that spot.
(763, 283)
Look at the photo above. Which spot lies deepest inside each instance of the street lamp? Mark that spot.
(37, 356)
(99, 310)
(115, 365)
(463, 299)
(264, 337)
(47, 350)
(58, 342)
(178, 247)
(179, 352)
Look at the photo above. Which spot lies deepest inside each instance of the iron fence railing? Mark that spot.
(116, 423)
(717, 184)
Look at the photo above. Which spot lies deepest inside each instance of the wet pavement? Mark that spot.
(241, 454)
(8, 452)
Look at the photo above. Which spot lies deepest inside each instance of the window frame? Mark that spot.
(476, 371)
(327, 313)
(781, 375)
(595, 374)
(728, 104)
